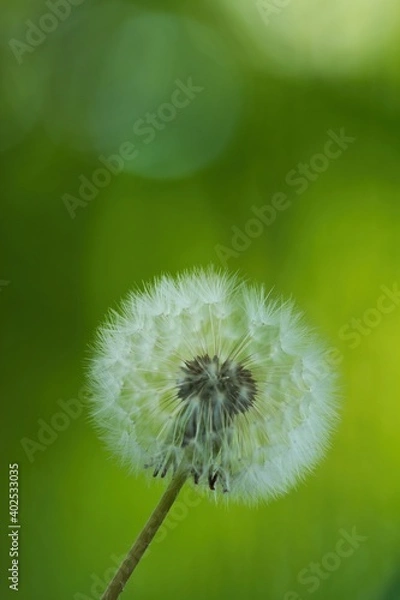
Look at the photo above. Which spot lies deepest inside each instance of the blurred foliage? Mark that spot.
(273, 89)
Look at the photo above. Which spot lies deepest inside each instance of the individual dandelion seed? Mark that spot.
(204, 378)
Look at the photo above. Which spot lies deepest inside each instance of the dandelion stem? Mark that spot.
(148, 532)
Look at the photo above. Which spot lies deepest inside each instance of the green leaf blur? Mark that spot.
(140, 138)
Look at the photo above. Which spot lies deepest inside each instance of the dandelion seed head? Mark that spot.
(206, 371)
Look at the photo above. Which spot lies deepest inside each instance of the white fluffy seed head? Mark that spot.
(205, 372)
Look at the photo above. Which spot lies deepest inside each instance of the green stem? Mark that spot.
(134, 555)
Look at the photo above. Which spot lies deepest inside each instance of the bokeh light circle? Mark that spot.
(300, 37)
(159, 90)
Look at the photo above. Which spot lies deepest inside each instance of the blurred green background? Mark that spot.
(208, 110)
